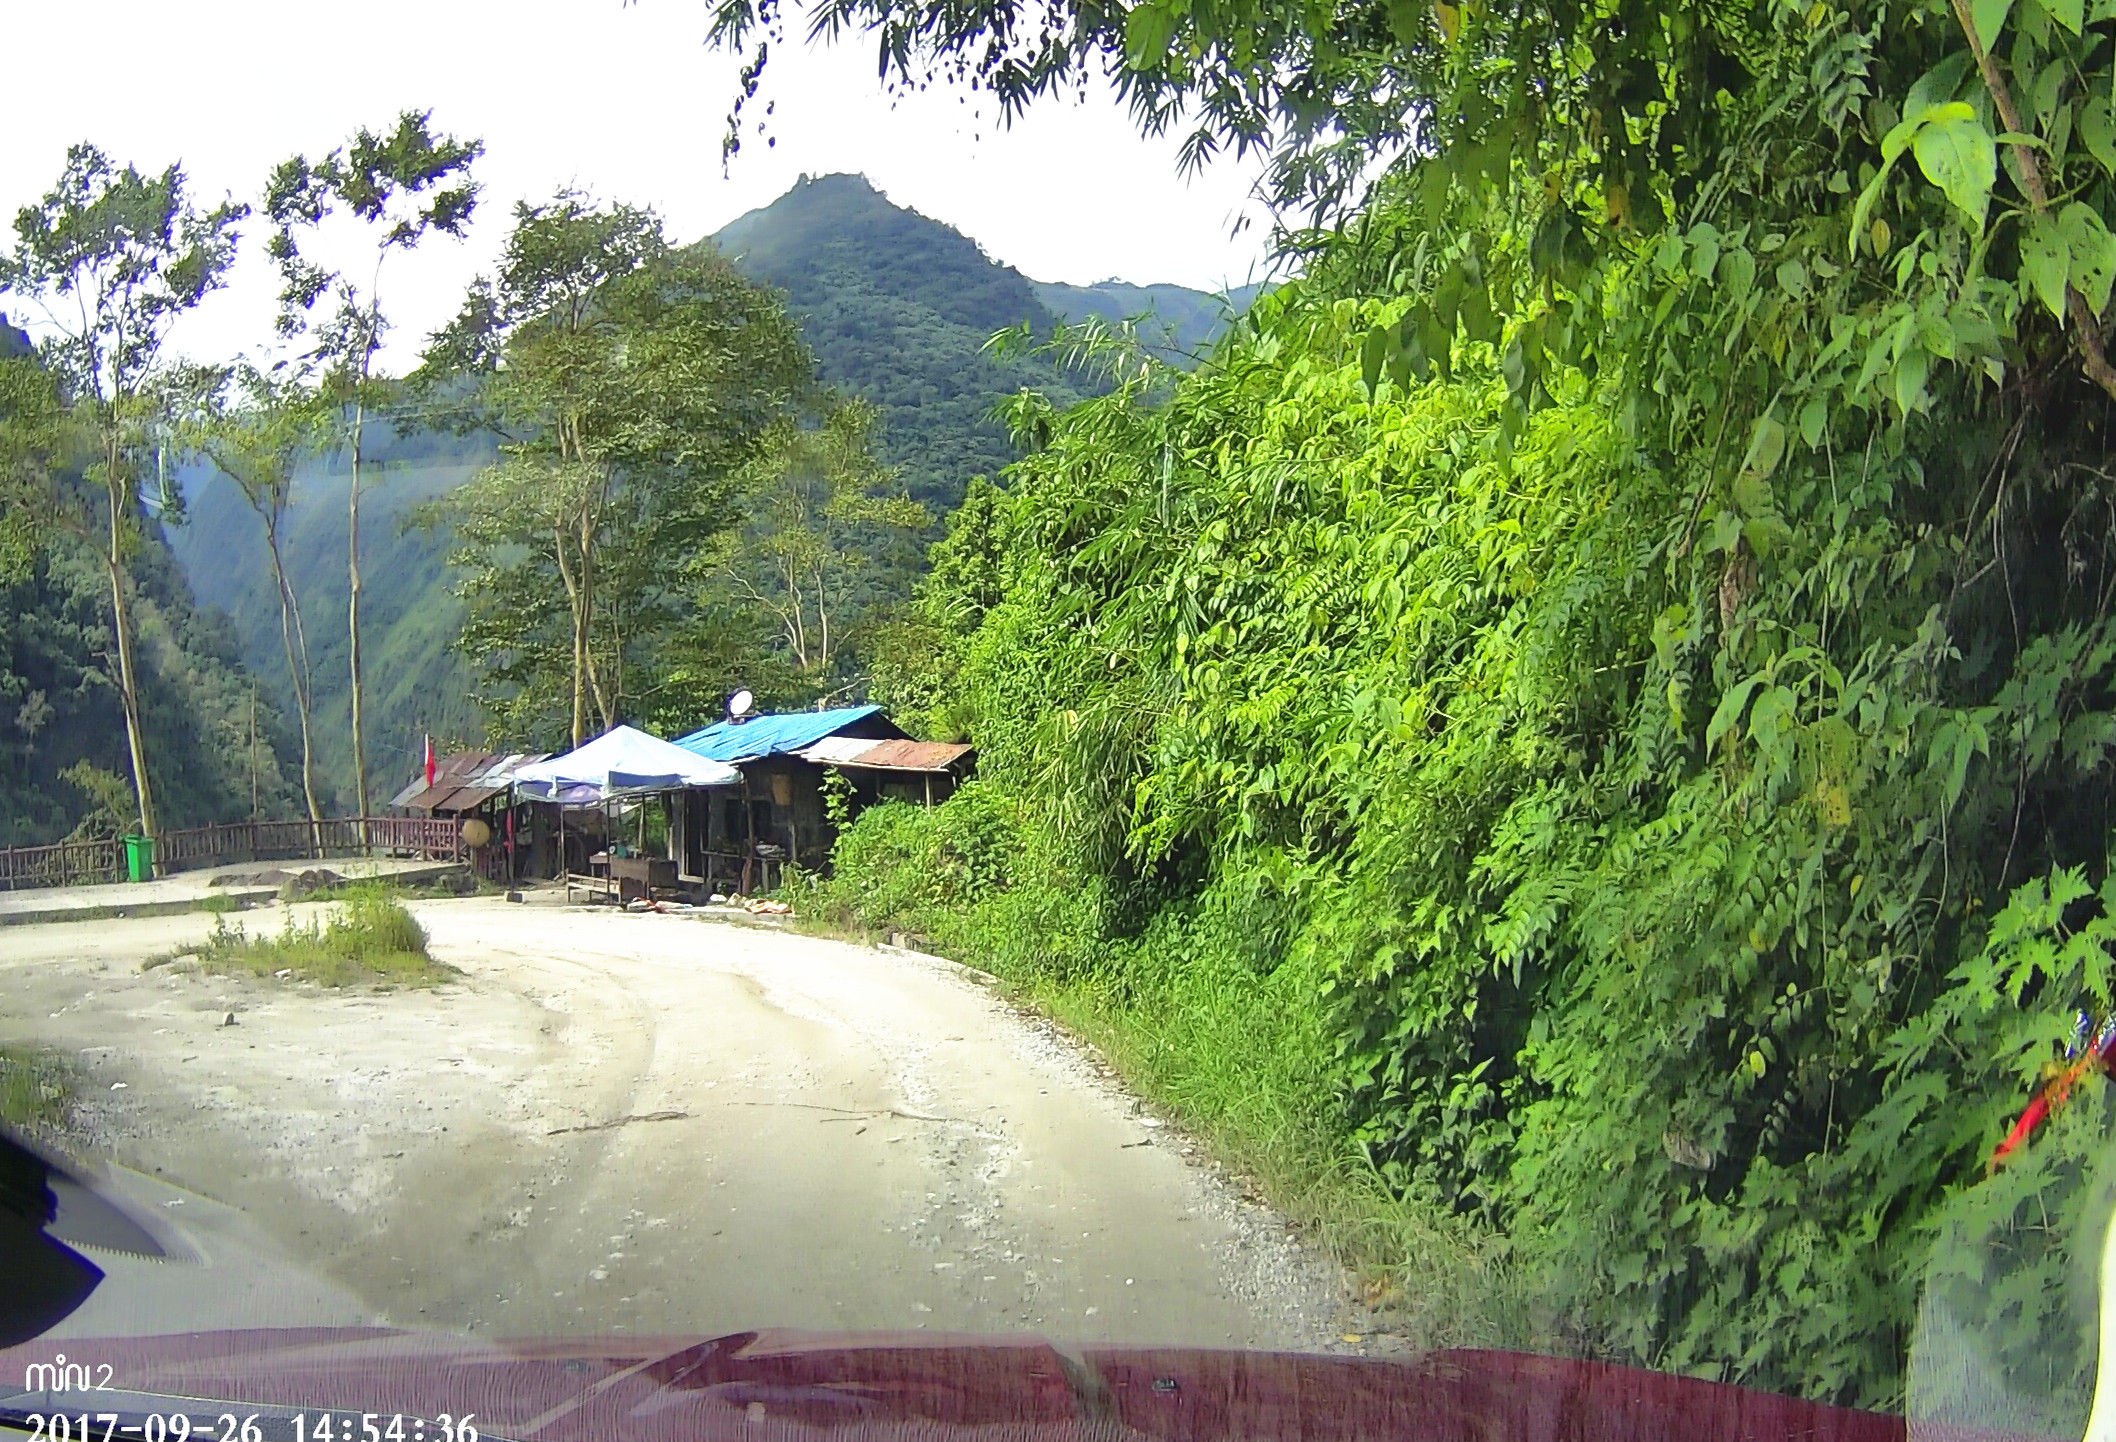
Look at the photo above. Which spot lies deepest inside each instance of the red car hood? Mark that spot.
(765, 1386)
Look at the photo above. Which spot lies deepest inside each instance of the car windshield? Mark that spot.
(1223, 719)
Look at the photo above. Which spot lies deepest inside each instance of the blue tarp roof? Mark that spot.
(763, 735)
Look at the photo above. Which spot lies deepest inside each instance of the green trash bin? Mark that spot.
(139, 858)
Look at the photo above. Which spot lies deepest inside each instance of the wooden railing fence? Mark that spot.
(78, 862)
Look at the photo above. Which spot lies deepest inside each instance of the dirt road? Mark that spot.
(654, 1124)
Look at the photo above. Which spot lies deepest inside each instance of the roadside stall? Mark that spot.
(624, 766)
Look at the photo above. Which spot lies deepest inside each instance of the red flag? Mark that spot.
(429, 761)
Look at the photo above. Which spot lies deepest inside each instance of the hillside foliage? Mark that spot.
(897, 310)
(1627, 633)
(59, 710)
(418, 684)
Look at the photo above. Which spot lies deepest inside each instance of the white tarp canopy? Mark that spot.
(621, 759)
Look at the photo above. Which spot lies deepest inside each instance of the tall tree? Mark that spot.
(400, 186)
(254, 437)
(112, 259)
(821, 509)
(632, 383)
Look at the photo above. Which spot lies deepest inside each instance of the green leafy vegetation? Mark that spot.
(34, 1090)
(824, 516)
(368, 939)
(1176, 323)
(634, 385)
(393, 188)
(111, 259)
(59, 710)
(1623, 642)
(255, 438)
(419, 684)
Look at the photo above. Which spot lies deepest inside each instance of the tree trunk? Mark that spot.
(297, 668)
(121, 624)
(823, 621)
(605, 703)
(580, 637)
(352, 602)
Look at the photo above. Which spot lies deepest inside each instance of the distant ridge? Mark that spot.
(1189, 320)
(898, 307)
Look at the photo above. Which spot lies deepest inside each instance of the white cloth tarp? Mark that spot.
(621, 759)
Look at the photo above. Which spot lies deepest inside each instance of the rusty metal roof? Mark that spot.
(463, 780)
(449, 772)
(885, 755)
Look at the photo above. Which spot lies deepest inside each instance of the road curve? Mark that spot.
(655, 1124)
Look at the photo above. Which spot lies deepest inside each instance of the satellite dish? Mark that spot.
(739, 704)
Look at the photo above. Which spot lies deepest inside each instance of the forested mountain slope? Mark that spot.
(898, 307)
(1183, 322)
(59, 706)
(416, 682)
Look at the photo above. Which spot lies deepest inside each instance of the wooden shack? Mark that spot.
(742, 842)
(478, 785)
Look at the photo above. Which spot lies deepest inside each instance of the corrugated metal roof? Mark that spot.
(768, 735)
(455, 776)
(885, 755)
(463, 798)
(449, 772)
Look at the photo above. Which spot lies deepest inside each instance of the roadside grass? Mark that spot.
(1228, 1056)
(367, 939)
(218, 904)
(380, 888)
(396, 888)
(34, 1090)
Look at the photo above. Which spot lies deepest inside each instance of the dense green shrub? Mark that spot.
(913, 865)
(1630, 628)
(1632, 874)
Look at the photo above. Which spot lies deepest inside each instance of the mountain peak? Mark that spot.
(851, 179)
(898, 306)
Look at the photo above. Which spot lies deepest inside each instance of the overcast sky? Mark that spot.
(623, 100)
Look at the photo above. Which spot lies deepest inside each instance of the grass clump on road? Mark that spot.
(33, 1090)
(368, 938)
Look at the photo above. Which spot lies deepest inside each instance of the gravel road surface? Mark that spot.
(642, 1123)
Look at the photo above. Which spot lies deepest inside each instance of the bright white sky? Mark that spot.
(624, 101)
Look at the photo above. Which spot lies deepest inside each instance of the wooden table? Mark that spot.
(638, 877)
